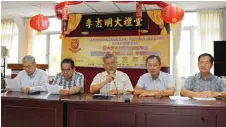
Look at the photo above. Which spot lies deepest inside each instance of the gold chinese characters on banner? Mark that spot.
(131, 53)
(122, 21)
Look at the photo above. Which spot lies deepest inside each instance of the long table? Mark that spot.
(22, 110)
(84, 111)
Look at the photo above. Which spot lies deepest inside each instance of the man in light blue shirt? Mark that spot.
(31, 78)
(155, 82)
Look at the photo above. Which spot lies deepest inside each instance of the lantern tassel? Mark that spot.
(62, 36)
(39, 32)
(139, 34)
(172, 26)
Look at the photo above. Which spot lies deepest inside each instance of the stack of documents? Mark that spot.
(13, 84)
(54, 89)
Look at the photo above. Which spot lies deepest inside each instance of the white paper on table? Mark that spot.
(13, 84)
(54, 89)
(207, 99)
(179, 98)
(104, 94)
(40, 96)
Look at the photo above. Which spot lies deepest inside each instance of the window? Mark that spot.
(184, 63)
(10, 39)
(55, 54)
(54, 25)
(13, 53)
(189, 48)
(39, 49)
(190, 19)
(47, 47)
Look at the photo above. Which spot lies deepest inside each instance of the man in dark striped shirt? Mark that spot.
(71, 80)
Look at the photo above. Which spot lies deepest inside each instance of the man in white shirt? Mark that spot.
(111, 81)
(31, 78)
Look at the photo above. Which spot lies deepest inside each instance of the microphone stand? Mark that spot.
(115, 86)
(113, 79)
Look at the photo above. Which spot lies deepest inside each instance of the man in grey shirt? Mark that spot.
(155, 82)
(204, 84)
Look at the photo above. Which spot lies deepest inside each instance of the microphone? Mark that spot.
(127, 100)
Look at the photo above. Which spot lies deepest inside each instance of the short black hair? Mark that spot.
(68, 60)
(152, 57)
(206, 54)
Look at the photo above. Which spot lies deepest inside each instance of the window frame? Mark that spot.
(192, 57)
(48, 34)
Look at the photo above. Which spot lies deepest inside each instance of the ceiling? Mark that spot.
(30, 8)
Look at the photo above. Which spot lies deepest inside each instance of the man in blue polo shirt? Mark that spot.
(155, 82)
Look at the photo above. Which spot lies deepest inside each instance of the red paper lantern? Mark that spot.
(39, 22)
(172, 14)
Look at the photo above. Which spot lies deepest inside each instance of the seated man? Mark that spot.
(111, 81)
(155, 82)
(71, 80)
(31, 78)
(204, 84)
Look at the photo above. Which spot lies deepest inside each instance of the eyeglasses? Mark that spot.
(110, 64)
(26, 67)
